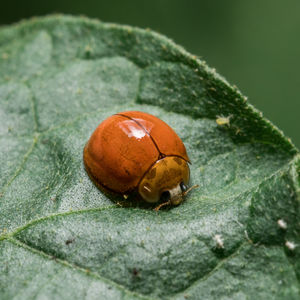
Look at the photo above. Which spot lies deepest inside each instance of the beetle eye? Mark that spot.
(183, 187)
(165, 196)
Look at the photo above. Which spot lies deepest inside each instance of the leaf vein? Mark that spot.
(67, 264)
(20, 167)
(215, 269)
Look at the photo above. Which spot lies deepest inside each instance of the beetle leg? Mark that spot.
(189, 189)
(157, 208)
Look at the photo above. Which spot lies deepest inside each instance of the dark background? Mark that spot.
(254, 44)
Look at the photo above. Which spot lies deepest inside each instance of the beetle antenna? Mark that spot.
(157, 208)
(190, 188)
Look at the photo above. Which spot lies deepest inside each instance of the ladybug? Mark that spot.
(135, 151)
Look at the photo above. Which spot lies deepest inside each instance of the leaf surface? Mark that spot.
(61, 238)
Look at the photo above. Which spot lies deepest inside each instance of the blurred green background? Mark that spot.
(254, 44)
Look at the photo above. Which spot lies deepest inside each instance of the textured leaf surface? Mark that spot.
(61, 238)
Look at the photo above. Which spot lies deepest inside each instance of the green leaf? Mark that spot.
(61, 238)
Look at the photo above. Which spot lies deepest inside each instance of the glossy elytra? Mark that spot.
(135, 151)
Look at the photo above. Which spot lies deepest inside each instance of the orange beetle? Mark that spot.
(134, 150)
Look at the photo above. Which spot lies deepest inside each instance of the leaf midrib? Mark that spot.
(65, 213)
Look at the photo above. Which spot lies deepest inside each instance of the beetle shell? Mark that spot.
(125, 147)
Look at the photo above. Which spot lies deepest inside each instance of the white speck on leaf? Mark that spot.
(290, 245)
(282, 224)
(219, 241)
